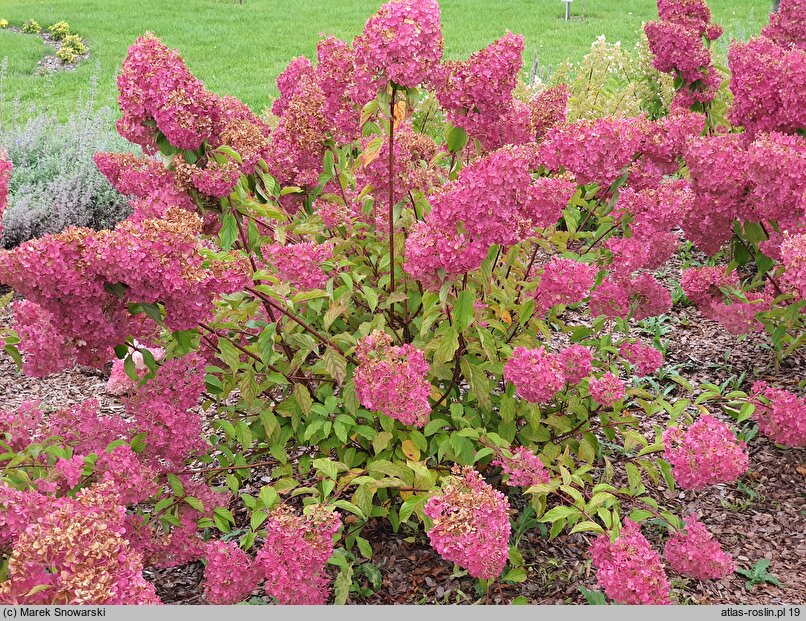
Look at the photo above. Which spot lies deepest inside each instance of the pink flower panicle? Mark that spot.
(549, 108)
(576, 361)
(19, 509)
(491, 199)
(144, 178)
(69, 471)
(155, 86)
(665, 140)
(706, 286)
(157, 93)
(119, 382)
(294, 555)
(76, 550)
(65, 276)
(677, 49)
(564, 281)
(607, 390)
(392, 379)
(776, 168)
(402, 42)
(470, 524)
(85, 429)
(780, 414)
(548, 196)
(705, 454)
(230, 576)
(300, 264)
(793, 256)
(787, 26)
(337, 77)
(696, 553)
(523, 467)
(134, 480)
(300, 139)
(22, 427)
(162, 408)
(643, 295)
(412, 170)
(645, 358)
(484, 82)
(676, 42)
(594, 151)
(287, 83)
(476, 94)
(161, 261)
(628, 569)
(434, 254)
(762, 74)
(537, 374)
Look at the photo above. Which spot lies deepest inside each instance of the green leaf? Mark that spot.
(335, 364)
(224, 514)
(381, 441)
(447, 346)
(268, 497)
(364, 547)
(633, 476)
(326, 467)
(350, 507)
(371, 296)
(587, 526)
(342, 584)
(258, 517)
(362, 498)
(195, 503)
(229, 231)
(558, 513)
(594, 598)
(410, 505)
(456, 139)
(639, 515)
(463, 311)
(516, 575)
(176, 484)
(184, 339)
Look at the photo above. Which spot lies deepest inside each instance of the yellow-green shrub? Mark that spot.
(59, 30)
(75, 44)
(66, 54)
(31, 26)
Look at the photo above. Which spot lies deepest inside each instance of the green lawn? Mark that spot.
(239, 49)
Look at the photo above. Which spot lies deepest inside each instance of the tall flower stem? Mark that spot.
(392, 204)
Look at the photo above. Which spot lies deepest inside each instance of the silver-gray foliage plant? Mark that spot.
(55, 183)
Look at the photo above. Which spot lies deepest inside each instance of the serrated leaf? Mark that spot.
(335, 364)
(195, 503)
(229, 231)
(463, 310)
(587, 525)
(558, 513)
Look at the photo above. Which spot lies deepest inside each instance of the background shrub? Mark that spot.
(55, 183)
(59, 30)
(75, 43)
(31, 26)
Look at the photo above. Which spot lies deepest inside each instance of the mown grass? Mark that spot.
(239, 49)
